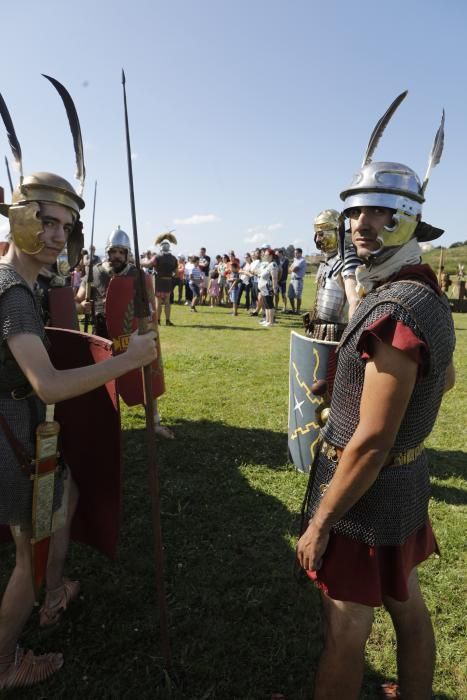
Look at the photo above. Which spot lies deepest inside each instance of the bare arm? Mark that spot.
(149, 263)
(389, 381)
(52, 385)
(82, 306)
(350, 286)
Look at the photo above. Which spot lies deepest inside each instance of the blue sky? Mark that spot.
(247, 117)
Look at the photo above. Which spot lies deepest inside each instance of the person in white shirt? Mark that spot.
(298, 269)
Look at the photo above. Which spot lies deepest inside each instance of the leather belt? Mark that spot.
(396, 459)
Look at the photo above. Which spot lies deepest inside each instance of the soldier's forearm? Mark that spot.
(356, 472)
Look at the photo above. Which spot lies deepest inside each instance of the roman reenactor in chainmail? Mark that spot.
(336, 296)
(165, 266)
(117, 264)
(367, 525)
(44, 216)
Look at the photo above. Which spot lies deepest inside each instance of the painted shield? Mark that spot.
(121, 322)
(310, 360)
(62, 308)
(90, 441)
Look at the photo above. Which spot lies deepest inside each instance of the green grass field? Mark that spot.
(241, 626)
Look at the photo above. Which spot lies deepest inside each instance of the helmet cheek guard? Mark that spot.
(327, 241)
(26, 227)
(75, 243)
(401, 232)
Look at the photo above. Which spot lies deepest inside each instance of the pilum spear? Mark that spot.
(89, 317)
(142, 312)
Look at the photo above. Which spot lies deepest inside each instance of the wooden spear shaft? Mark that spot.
(142, 312)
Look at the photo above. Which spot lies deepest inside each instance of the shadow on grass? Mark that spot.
(205, 327)
(241, 626)
(445, 465)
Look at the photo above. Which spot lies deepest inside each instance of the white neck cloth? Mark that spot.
(368, 276)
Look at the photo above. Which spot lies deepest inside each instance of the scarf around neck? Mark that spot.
(369, 276)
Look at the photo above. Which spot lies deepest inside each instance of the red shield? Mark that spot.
(62, 308)
(121, 322)
(90, 441)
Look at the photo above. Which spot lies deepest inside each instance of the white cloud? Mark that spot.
(258, 237)
(261, 234)
(426, 247)
(196, 219)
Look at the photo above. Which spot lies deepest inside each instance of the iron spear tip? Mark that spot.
(123, 77)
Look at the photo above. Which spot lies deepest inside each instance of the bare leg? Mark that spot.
(159, 429)
(158, 309)
(167, 309)
(292, 304)
(299, 305)
(416, 650)
(340, 670)
(18, 599)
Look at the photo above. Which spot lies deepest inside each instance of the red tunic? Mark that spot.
(351, 570)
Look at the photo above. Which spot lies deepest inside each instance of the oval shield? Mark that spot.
(310, 360)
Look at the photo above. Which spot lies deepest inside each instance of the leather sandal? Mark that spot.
(27, 669)
(52, 614)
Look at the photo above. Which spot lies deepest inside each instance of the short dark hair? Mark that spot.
(299, 250)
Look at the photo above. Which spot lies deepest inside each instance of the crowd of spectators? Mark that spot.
(257, 283)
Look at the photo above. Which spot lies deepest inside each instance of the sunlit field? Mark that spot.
(242, 625)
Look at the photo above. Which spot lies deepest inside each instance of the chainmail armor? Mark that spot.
(396, 505)
(19, 313)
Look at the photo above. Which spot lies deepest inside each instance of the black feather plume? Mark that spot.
(12, 138)
(380, 127)
(436, 153)
(72, 115)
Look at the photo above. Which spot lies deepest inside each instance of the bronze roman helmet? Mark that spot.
(24, 212)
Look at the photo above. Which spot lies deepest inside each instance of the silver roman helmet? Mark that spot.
(394, 186)
(326, 226)
(24, 212)
(164, 240)
(118, 239)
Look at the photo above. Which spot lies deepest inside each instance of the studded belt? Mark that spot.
(396, 459)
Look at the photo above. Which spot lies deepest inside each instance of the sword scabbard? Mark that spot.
(43, 493)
